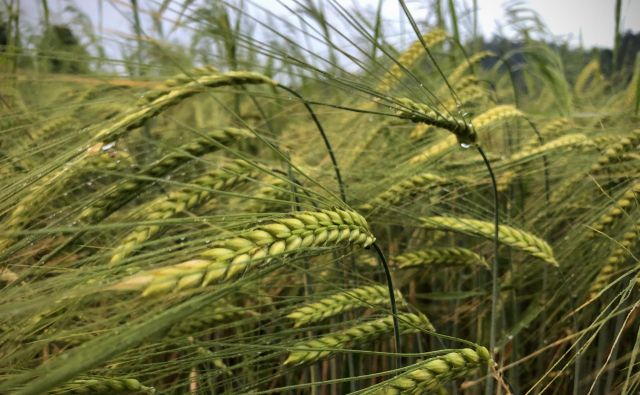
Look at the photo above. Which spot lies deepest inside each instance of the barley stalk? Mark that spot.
(297, 233)
(424, 377)
(341, 302)
(321, 347)
(510, 236)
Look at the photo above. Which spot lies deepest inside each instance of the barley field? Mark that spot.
(240, 201)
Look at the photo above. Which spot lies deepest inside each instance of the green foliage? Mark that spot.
(183, 229)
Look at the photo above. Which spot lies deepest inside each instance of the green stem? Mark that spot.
(138, 29)
(617, 58)
(45, 13)
(392, 298)
(325, 139)
(494, 270)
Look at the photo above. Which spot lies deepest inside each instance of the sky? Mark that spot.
(593, 19)
(590, 22)
(566, 19)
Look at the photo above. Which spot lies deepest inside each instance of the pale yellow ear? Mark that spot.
(407, 58)
(237, 254)
(516, 238)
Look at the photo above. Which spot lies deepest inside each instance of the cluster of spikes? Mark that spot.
(199, 235)
(237, 254)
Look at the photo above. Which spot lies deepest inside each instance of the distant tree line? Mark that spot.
(59, 50)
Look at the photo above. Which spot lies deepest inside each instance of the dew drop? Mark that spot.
(108, 146)
(465, 145)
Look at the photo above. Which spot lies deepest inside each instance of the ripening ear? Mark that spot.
(187, 188)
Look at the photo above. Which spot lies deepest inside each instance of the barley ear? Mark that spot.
(341, 302)
(508, 235)
(312, 350)
(234, 255)
(424, 377)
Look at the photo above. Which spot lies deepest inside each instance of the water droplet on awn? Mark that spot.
(108, 146)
